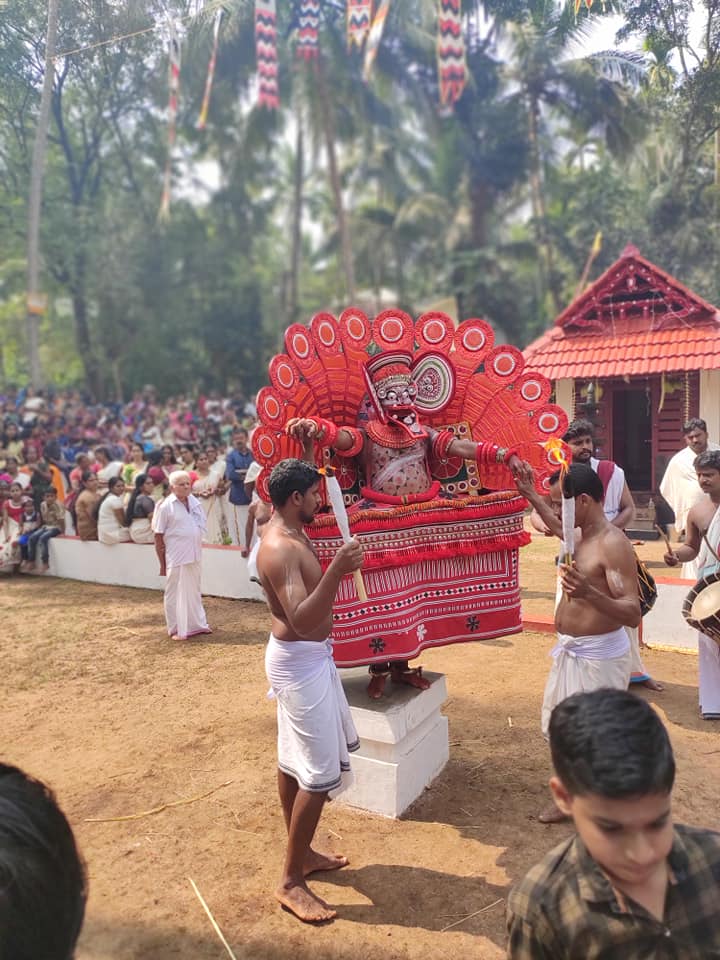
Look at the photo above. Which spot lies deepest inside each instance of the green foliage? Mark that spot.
(496, 202)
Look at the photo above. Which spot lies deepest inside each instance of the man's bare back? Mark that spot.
(604, 567)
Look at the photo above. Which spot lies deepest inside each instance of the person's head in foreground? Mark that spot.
(43, 886)
(294, 488)
(630, 885)
(614, 772)
(581, 483)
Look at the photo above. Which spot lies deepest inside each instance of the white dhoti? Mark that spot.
(184, 611)
(316, 733)
(708, 675)
(113, 537)
(253, 572)
(638, 673)
(582, 664)
(237, 515)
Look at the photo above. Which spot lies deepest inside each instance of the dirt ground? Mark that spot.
(118, 719)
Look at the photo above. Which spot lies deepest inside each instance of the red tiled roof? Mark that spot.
(634, 320)
(586, 356)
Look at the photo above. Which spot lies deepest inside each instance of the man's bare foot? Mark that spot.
(650, 684)
(315, 862)
(43, 568)
(552, 814)
(301, 901)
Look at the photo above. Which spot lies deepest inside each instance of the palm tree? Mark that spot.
(591, 92)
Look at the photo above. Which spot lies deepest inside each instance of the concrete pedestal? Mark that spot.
(403, 742)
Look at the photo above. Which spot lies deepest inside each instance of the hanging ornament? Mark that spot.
(202, 119)
(174, 93)
(266, 54)
(374, 38)
(452, 68)
(359, 15)
(309, 20)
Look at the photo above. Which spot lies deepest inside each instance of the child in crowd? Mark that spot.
(52, 513)
(629, 884)
(29, 523)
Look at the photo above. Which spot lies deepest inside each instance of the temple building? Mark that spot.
(638, 354)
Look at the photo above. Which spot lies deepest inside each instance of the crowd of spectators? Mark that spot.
(68, 465)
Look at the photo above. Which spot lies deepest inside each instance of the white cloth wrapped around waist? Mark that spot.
(599, 646)
(316, 732)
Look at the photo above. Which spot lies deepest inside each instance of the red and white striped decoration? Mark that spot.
(452, 68)
(202, 119)
(359, 17)
(309, 22)
(266, 53)
(174, 87)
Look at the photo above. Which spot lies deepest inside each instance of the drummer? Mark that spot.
(704, 520)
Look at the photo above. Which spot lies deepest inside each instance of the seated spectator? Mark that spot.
(12, 515)
(139, 511)
(138, 464)
(187, 457)
(629, 884)
(30, 522)
(12, 468)
(159, 480)
(86, 507)
(52, 514)
(110, 513)
(44, 886)
(82, 465)
(168, 462)
(40, 475)
(108, 468)
(11, 444)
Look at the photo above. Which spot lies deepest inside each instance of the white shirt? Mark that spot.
(614, 492)
(106, 517)
(182, 527)
(680, 485)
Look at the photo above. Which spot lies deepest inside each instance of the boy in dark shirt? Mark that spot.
(629, 884)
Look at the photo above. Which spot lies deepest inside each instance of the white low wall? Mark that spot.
(664, 625)
(224, 571)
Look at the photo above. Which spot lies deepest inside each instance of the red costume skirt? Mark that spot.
(440, 572)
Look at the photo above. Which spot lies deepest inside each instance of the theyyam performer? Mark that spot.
(402, 409)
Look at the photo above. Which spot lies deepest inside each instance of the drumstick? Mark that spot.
(666, 539)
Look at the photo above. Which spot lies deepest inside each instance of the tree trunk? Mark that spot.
(294, 297)
(36, 190)
(546, 259)
(335, 185)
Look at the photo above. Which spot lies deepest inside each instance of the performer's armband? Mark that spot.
(441, 444)
(357, 442)
(488, 454)
(326, 431)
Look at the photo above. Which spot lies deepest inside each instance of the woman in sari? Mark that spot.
(138, 515)
(205, 488)
(111, 514)
(12, 514)
(136, 465)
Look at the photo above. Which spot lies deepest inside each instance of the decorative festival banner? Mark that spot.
(266, 54)
(309, 22)
(452, 67)
(359, 16)
(374, 38)
(202, 119)
(174, 87)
